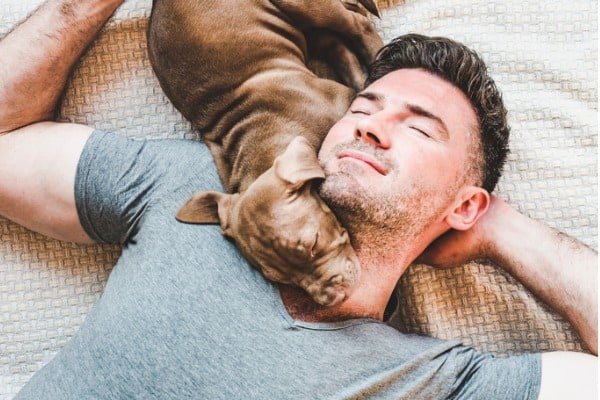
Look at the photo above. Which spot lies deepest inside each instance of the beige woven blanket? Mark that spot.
(542, 55)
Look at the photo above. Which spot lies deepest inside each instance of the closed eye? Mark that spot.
(420, 131)
(359, 112)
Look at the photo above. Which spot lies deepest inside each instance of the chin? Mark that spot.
(338, 184)
(343, 193)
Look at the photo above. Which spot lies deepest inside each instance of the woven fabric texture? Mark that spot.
(542, 56)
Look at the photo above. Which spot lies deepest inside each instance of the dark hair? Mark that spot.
(462, 67)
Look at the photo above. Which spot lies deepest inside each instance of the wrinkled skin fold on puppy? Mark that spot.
(283, 227)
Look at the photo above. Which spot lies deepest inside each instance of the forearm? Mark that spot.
(38, 55)
(561, 271)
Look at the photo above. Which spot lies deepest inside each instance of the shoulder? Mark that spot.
(169, 163)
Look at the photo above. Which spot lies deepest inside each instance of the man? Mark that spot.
(184, 316)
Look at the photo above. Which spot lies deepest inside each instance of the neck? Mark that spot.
(381, 270)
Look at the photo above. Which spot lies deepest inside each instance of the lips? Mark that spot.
(366, 158)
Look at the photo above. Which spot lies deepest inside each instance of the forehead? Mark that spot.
(436, 95)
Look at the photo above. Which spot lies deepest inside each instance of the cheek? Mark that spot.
(436, 172)
(427, 167)
(341, 132)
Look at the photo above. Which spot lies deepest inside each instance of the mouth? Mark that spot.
(366, 158)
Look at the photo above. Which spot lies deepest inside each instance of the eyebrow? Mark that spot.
(371, 96)
(413, 108)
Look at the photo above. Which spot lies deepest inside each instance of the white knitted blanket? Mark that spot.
(543, 57)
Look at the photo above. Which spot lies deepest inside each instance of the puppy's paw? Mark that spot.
(327, 292)
(335, 285)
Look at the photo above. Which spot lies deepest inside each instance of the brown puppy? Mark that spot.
(237, 70)
(312, 235)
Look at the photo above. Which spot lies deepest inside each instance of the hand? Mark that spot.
(455, 248)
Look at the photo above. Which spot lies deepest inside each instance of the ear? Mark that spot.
(298, 164)
(471, 204)
(205, 208)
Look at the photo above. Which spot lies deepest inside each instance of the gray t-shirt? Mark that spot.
(184, 316)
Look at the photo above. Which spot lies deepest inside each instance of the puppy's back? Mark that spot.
(203, 50)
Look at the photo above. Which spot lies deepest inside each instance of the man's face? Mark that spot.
(396, 159)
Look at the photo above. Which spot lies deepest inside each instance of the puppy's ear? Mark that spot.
(298, 164)
(206, 208)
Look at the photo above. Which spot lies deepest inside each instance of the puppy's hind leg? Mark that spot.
(330, 58)
(368, 6)
(356, 29)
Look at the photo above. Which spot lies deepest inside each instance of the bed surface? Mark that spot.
(543, 56)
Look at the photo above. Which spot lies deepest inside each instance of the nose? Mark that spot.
(369, 129)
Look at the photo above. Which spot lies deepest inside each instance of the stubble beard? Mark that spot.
(376, 219)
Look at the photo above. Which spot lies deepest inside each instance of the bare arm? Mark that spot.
(558, 269)
(37, 178)
(38, 160)
(38, 55)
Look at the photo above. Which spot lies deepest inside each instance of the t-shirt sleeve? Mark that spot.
(487, 377)
(118, 178)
